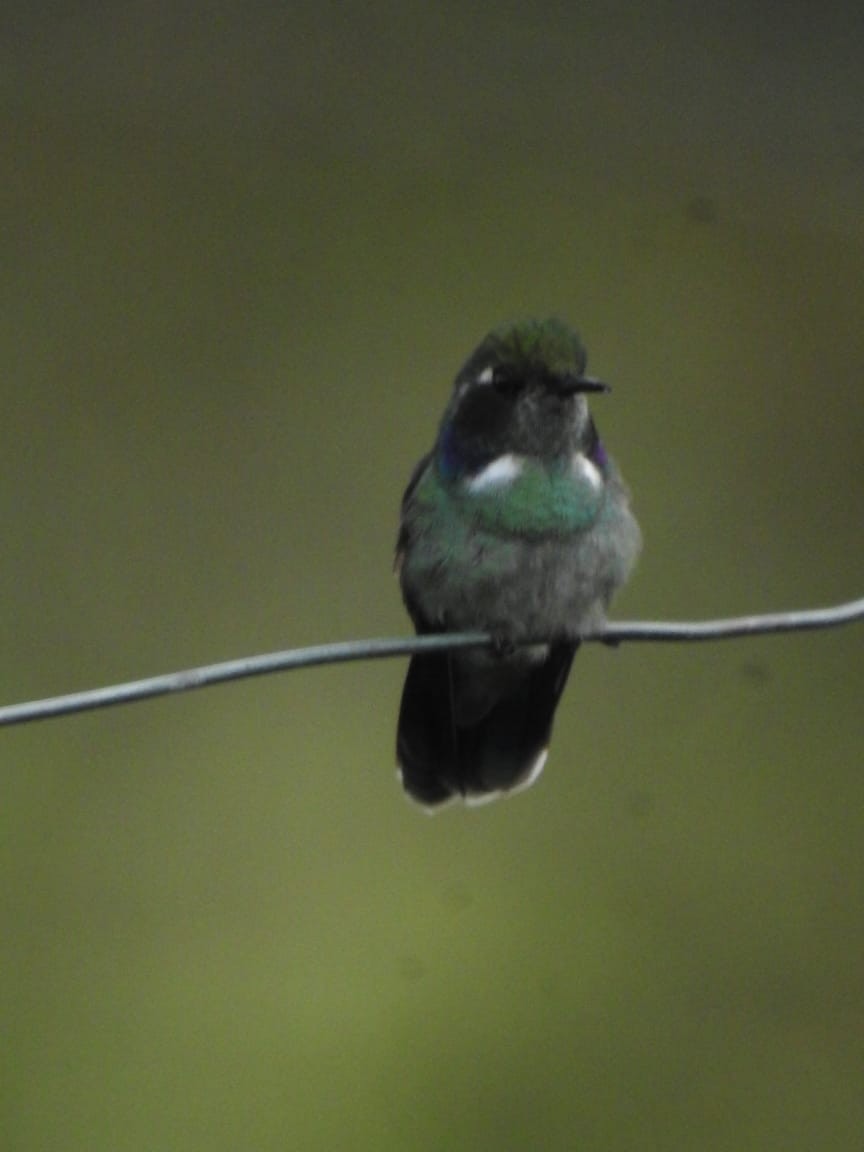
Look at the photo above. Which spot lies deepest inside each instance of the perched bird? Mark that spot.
(517, 523)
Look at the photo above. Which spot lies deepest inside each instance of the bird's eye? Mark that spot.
(506, 384)
(501, 381)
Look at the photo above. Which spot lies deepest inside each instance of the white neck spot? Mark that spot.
(586, 470)
(498, 473)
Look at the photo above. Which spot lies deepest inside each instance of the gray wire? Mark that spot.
(640, 631)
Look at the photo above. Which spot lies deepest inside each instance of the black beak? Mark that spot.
(569, 385)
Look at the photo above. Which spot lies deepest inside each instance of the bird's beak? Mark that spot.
(569, 385)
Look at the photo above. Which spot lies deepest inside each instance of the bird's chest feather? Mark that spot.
(514, 542)
(518, 496)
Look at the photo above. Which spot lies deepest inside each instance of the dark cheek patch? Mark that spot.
(482, 413)
(474, 436)
(451, 456)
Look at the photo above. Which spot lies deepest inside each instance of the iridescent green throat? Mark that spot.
(542, 500)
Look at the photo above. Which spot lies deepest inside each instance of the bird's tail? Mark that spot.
(476, 730)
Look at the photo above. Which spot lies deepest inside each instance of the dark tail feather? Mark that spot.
(441, 758)
(425, 737)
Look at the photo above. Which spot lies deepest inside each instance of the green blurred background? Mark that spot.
(244, 250)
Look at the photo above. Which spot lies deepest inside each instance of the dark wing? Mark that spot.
(403, 540)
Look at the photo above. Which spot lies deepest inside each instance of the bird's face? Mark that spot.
(522, 391)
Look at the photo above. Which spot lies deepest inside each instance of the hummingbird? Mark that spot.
(517, 523)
